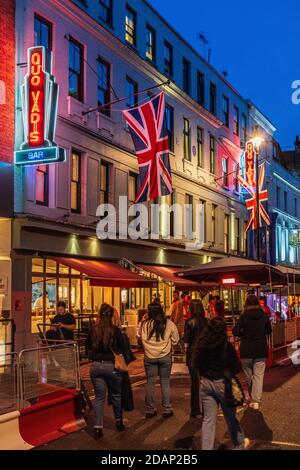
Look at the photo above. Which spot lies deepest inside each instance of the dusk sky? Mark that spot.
(257, 43)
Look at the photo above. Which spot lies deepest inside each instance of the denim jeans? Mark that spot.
(212, 394)
(104, 376)
(162, 368)
(255, 370)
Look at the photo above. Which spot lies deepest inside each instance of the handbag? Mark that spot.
(234, 393)
(128, 354)
(120, 363)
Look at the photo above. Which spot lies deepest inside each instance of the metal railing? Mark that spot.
(7, 335)
(9, 382)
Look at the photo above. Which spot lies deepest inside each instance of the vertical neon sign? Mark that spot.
(36, 108)
(249, 159)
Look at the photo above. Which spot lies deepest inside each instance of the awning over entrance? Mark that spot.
(106, 274)
(244, 271)
(168, 275)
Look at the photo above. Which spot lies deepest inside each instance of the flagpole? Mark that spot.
(103, 106)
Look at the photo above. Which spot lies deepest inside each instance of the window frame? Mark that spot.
(170, 131)
(225, 174)
(212, 152)
(106, 165)
(80, 76)
(187, 135)
(109, 9)
(200, 147)
(168, 65)
(236, 121)
(186, 75)
(201, 88)
(77, 182)
(244, 128)
(104, 110)
(49, 25)
(135, 85)
(130, 10)
(226, 233)
(213, 98)
(152, 31)
(45, 173)
(225, 112)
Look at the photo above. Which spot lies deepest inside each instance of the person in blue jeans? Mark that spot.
(104, 341)
(214, 356)
(158, 335)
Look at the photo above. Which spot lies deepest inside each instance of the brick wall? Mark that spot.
(7, 77)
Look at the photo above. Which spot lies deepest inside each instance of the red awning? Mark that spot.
(168, 275)
(106, 274)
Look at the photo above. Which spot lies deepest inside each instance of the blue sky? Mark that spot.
(257, 42)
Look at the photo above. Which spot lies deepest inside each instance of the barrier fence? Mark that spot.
(9, 383)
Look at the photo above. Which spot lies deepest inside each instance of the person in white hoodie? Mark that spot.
(158, 335)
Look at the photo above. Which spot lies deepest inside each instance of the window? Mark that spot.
(132, 187)
(225, 110)
(172, 218)
(130, 26)
(168, 58)
(275, 151)
(186, 70)
(200, 88)
(237, 235)
(225, 171)
(244, 129)
(200, 146)
(151, 43)
(76, 181)
(103, 86)
(186, 140)
(189, 213)
(245, 239)
(106, 11)
(213, 223)
(131, 91)
(170, 126)
(236, 121)
(212, 96)
(212, 154)
(42, 32)
(236, 170)
(278, 196)
(285, 200)
(295, 207)
(226, 233)
(41, 185)
(104, 183)
(203, 203)
(75, 70)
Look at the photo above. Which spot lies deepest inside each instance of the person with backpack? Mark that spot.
(192, 330)
(215, 359)
(105, 342)
(158, 335)
(253, 327)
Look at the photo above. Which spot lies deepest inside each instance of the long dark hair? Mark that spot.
(102, 331)
(213, 336)
(156, 322)
(197, 311)
(252, 301)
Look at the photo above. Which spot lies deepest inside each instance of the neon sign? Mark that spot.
(229, 281)
(39, 96)
(249, 160)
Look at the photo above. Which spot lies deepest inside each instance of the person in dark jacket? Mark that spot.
(104, 341)
(253, 327)
(192, 330)
(214, 357)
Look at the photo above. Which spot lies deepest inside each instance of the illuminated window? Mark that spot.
(130, 26)
(42, 32)
(75, 70)
(170, 126)
(226, 233)
(212, 154)
(204, 217)
(168, 58)
(186, 140)
(213, 223)
(225, 110)
(225, 171)
(104, 183)
(41, 185)
(236, 121)
(200, 88)
(212, 98)
(186, 79)
(76, 181)
(106, 11)
(150, 43)
(103, 86)
(200, 146)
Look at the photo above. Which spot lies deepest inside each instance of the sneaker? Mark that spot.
(244, 446)
(254, 405)
(120, 426)
(167, 414)
(150, 414)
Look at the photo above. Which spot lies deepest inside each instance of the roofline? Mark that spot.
(195, 51)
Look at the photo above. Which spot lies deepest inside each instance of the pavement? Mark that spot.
(274, 427)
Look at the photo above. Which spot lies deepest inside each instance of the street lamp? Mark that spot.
(257, 140)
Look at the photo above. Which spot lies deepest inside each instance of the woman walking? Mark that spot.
(214, 357)
(158, 335)
(192, 330)
(105, 340)
(253, 327)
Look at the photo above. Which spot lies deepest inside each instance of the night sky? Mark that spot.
(257, 43)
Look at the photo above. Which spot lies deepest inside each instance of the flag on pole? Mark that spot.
(251, 202)
(148, 127)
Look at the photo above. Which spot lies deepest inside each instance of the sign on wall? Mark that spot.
(39, 97)
(249, 162)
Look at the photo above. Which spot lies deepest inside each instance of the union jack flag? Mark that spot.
(251, 202)
(148, 127)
